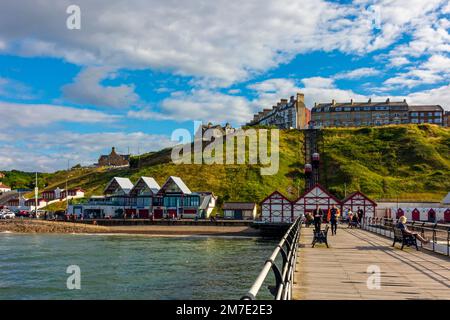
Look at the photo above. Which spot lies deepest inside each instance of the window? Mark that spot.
(430, 114)
(414, 114)
(437, 114)
(414, 121)
(347, 109)
(437, 120)
(366, 108)
(338, 109)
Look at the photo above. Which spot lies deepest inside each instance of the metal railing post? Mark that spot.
(287, 248)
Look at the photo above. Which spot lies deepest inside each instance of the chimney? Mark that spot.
(113, 150)
(292, 99)
(274, 107)
(333, 102)
(300, 97)
(351, 101)
(315, 104)
(388, 100)
(404, 100)
(370, 100)
(284, 101)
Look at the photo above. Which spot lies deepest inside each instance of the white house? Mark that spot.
(4, 188)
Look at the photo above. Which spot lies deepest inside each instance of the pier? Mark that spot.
(345, 269)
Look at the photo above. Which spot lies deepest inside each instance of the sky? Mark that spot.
(136, 70)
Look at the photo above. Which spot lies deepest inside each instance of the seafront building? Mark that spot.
(145, 199)
(278, 208)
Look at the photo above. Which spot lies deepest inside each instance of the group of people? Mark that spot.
(318, 216)
(354, 219)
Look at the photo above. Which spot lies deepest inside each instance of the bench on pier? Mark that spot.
(320, 236)
(404, 238)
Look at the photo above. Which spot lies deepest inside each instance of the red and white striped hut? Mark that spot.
(359, 200)
(308, 201)
(276, 208)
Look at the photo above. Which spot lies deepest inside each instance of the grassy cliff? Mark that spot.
(405, 162)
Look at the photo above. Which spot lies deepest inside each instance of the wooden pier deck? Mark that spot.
(340, 272)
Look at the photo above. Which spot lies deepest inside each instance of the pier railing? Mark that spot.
(284, 276)
(439, 234)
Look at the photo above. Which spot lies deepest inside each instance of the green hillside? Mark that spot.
(405, 162)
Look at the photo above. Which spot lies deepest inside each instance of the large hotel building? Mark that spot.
(350, 114)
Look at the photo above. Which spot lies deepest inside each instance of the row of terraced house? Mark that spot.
(144, 199)
(293, 113)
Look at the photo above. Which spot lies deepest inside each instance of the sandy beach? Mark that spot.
(39, 226)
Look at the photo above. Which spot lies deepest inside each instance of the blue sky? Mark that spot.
(137, 70)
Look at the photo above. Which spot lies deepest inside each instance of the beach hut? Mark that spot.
(415, 215)
(239, 210)
(447, 215)
(276, 208)
(359, 200)
(316, 196)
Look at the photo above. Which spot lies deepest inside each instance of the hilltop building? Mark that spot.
(217, 130)
(355, 114)
(446, 121)
(286, 114)
(2, 175)
(114, 159)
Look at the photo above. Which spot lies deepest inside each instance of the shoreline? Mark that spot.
(57, 227)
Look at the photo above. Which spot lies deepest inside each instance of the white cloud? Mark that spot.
(87, 89)
(435, 70)
(10, 88)
(357, 73)
(41, 115)
(220, 42)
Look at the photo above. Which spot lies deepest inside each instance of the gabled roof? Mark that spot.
(4, 186)
(446, 200)
(205, 200)
(273, 193)
(361, 194)
(123, 183)
(239, 206)
(178, 182)
(148, 182)
(321, 188)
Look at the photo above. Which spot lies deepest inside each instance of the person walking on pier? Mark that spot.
(402, 226)
(333, 215)
(318, 216)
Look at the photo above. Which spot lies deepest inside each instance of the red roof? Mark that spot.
(275, 192)
(361, 194)
(4, 186)
(321, 188)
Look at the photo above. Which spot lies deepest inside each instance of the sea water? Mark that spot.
(33, 266)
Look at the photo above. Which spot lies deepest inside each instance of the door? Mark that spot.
(157, 213)
(415, 215)
(238, 214)
(172, 213)
(143, 213)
